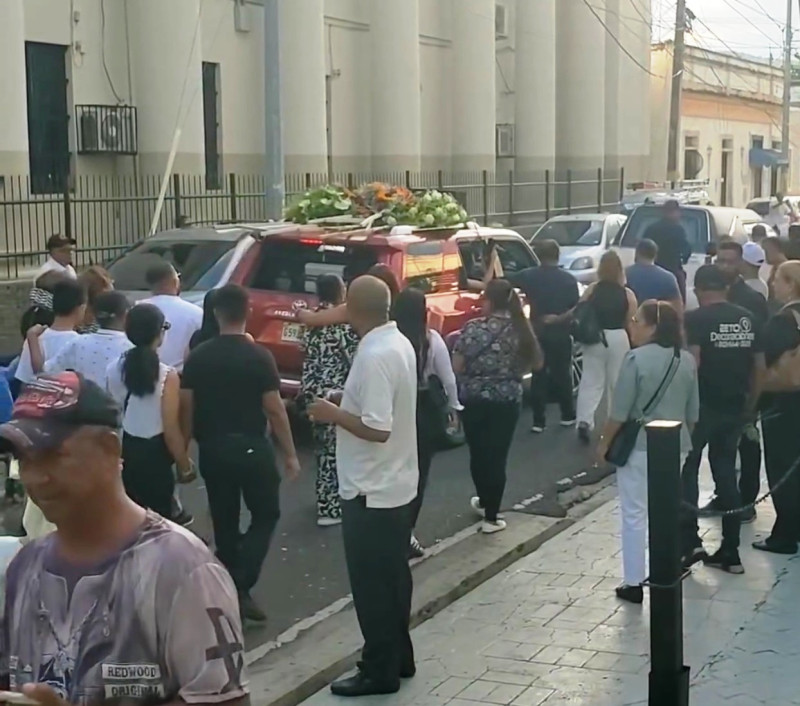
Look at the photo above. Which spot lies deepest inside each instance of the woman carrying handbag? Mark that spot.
(658, 380)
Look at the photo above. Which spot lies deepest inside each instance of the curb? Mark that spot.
(294, 672)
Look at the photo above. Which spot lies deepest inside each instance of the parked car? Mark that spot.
(583, 239)
(705, 226)
(204, 256)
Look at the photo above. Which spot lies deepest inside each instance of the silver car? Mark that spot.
(583, 238)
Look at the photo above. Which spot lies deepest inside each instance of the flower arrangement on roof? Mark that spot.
(389, 205)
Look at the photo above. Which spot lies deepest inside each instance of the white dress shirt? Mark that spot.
(52, 265)
(381, 389)
(51, 343)
(440, 365)
(90, 354)
(184, 319)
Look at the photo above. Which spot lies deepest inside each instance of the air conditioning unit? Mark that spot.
(242, 19)
(500, 21)
(107, 129)
(504, 140)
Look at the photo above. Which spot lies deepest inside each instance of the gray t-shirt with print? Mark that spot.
(157, 622)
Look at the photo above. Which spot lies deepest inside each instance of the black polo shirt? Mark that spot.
(673, 245)
(742, 294)
(549, 290)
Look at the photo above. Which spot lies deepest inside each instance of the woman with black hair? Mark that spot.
(329, 351)
(490, 358)
(436, 389)
(210, 327)
(657, 380)
(149, 394)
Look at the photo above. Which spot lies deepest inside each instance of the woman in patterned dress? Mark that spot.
(490, 357)
(328, 353)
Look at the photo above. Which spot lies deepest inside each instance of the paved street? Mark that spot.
(549, 631)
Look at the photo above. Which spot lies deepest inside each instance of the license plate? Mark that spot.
(293, 333)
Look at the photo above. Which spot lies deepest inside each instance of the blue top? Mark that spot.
(6, 401)
(652, 282)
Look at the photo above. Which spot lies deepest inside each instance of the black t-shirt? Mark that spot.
(780, 335)
(673, 245)
(729, 336)
(228, 376)
(549, 290)
(743, 295)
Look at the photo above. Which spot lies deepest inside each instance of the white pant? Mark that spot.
(632, 489)
(601, 365)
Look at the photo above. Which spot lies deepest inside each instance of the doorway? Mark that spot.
(726, 178)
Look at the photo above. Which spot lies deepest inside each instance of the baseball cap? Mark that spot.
(53, 407)
(710, 278)
(753, 254)
(57, 240)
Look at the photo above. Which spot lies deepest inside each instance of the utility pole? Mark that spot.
(675, 101)
(787, 97)
(273, 143)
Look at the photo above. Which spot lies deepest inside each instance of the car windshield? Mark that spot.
(293, 266)
(760, 207)
(567, 233)
(694, 222)
(195, 260)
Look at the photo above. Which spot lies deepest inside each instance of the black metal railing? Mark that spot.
(108, 214)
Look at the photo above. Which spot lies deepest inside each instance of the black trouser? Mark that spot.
(781, 427)
(750, 472)
(147, 473)
(236, 467)
(376, 549)
(426, 448)
(680, 275)
(720, 431)
(556, 375)
(489, 427)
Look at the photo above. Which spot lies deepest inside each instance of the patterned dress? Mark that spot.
(329, 350)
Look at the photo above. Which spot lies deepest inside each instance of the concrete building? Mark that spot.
(368, 86)
(730, 123)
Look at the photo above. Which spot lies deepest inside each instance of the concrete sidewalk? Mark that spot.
(549, 630)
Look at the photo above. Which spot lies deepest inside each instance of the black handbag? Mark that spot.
(624, 441)
(586, 327)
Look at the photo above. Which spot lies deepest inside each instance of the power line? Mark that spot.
(747, 19)
(617, 42)
(763, 9)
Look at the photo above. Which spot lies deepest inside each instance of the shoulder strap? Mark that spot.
(672, 368)
(490, 342)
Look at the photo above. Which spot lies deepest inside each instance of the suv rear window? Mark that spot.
(694, 221)
(294, 265)
(191, 258)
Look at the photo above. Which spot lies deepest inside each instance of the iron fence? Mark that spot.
(108, 214)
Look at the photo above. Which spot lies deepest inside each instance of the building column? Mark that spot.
(634, 89)
(396, 95)
(305, 142)
(13, 82)
(580, 99)
(535, 85)
(474, 94)
(162, 45)
(613, 88)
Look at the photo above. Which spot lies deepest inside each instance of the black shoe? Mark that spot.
(183, 518)
(694, 556)
(747, 517)
(362, 685)
(415, 549)
(710, 507)
(765, 545)
(632, 594)
(408, 672)
(584, 433)
(249, 609)
(725, 561)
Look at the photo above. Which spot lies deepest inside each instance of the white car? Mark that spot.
(583, 238)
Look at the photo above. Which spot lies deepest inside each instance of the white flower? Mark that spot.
(305, 203)
(391, 221)
(462, 214)
(325, 202)
(439, 213)
(413, 211)
(428, 220)
(452, 207)
(342, 205)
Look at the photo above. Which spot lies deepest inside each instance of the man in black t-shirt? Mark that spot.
(724, 338)
(229, 393)
(674, 249)
(551, 293)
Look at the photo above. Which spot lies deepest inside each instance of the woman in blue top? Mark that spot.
(490, 358)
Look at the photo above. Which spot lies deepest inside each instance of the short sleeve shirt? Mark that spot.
(159, 620)
(549, 290)
(90, 354)
(652, 282)
(228, 376)
(490, 348)
(728, 336)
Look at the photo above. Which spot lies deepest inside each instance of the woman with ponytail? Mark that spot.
(149, 394)
(490, 358)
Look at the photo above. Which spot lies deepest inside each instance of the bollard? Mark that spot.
(669, 676)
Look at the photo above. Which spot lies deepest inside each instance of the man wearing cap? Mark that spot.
(753, 259)
(118, 604)
(673, 248)
(724, 339)
(59, 256)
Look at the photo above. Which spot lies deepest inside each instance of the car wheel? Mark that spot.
(577, 367)
(454, 436)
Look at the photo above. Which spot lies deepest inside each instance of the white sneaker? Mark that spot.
(568, 422)
(475, 504)
(493, 527)
(328, 521)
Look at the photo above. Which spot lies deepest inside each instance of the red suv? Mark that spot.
(282, 269)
